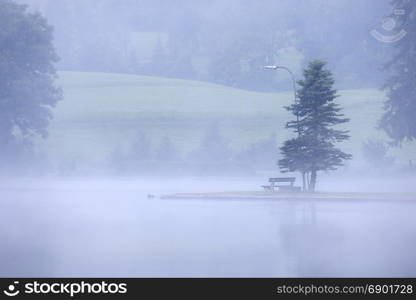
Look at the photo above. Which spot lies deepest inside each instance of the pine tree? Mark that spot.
(313, 149)
(140, 149)
(159, 62)
(167, 151)
(398, 120)
(214, 148)
(376, 154)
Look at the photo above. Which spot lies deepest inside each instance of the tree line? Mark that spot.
(220, 41)
(213, 156)
(28, 94)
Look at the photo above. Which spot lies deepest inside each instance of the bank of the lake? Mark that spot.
(322, 196)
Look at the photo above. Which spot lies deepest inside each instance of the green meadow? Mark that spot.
(101, 112)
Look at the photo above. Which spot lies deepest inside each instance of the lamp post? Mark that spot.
(295, 95)
(291, 74)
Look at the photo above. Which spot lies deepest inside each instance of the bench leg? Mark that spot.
(268, 188)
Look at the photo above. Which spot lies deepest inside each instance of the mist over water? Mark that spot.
(84, 227)
(164, 97)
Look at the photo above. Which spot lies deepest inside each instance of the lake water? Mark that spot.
(110, 228)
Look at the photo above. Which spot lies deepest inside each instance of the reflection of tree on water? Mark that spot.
(347, 238)
(303, 237)
(297, 223)
(302, 227)
(20, 255)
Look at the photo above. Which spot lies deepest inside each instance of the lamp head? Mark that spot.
(271, 67)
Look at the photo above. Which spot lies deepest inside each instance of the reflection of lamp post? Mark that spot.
(295, 94)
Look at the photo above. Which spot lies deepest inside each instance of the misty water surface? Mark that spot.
(110, 228)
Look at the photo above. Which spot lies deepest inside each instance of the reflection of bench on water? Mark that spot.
(282, 188)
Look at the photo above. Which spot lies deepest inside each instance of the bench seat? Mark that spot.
(281, 188)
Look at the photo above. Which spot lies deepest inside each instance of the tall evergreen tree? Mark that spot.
(313, 149)
(398, 120)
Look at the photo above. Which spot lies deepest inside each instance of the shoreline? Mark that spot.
(319, 196)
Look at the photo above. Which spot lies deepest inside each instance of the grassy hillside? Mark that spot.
(103, 111)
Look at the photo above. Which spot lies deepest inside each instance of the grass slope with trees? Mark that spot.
(102, 113)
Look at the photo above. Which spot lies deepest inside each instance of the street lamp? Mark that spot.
(291, 74)
(295, 94)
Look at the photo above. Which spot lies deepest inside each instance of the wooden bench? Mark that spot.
(274, 183)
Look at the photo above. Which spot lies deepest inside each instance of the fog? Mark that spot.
(111, 228)
(167, 97)
(219, 41)
(124, 113)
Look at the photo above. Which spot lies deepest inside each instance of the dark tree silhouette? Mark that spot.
(398, 120)
(27, 74)
(313, 149)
